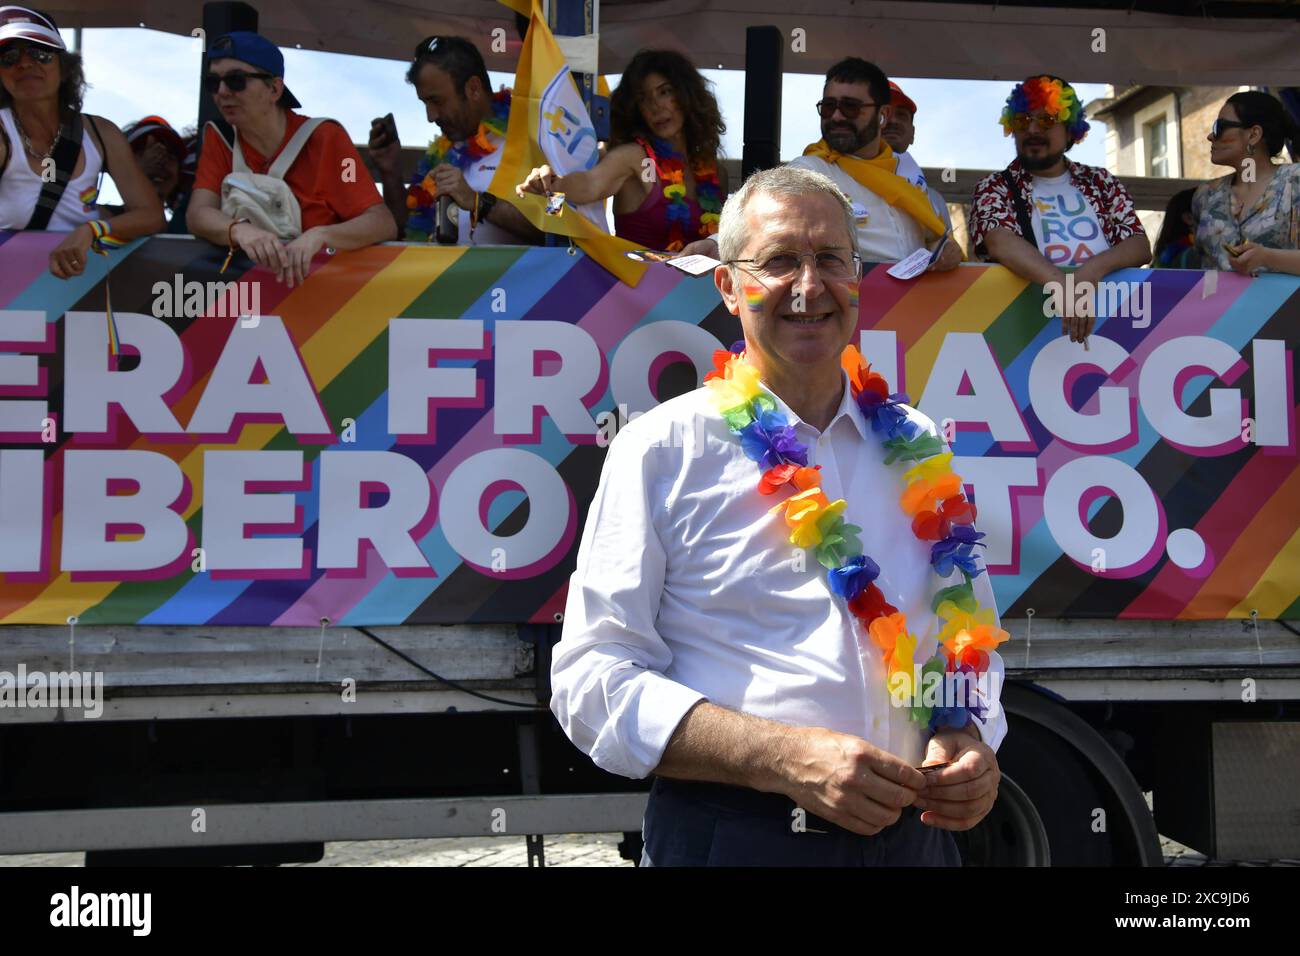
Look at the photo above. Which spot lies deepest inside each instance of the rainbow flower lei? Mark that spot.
(671, 170)
(933, 499)
(422, 194)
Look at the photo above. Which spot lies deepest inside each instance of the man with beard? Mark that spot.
(1044, 212)
(894, 217)
(452, 81)
(899, 132)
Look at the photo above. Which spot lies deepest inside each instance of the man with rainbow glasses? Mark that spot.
(1044, 212)
(779, 607)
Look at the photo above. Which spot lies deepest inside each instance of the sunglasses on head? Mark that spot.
(845, 104)
(236, 80)
(1221, 126)
(1020, 122)
(13, 52)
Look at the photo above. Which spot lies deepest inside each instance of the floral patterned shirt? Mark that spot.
(1273, 221)
(993, 208)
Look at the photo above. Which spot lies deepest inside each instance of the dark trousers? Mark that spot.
(712, 824)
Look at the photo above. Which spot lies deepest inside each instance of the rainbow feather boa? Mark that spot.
(933, 499)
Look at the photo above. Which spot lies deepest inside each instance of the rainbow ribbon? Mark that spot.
(101, 244)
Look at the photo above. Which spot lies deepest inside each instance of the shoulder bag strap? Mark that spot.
(65, 155)
(292, 148)
(1022, 211)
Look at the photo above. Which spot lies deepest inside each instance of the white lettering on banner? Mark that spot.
(1273, 399)
(233, 512)
(880, 348)
(1070, 493)
(965, 357)
(286, 394)
(641, 356)
(416, 388)
(996, 483)
(1160, 386)
(467, 495)
(21, 373)
(22, 509)
(1051, 378)
(94, 514)
(522, 393)
(122, 509)
(392, 529)
(143, 393)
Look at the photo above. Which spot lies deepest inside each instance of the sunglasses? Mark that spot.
(13, 52)
(236, 80)
(845, 104)
(1221, 126)
(1020, 122)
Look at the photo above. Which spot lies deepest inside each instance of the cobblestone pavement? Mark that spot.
(574, 849)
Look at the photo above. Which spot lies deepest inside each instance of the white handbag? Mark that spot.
(266, 199)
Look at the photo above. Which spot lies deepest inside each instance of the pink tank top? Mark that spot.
(648, 226)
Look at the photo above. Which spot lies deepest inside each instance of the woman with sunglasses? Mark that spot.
(52, 156)
(334, 209)
(1250, 220)
(662, 165)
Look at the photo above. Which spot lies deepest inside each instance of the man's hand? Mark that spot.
(451, 182)
(950, 258)
(1074, 322)
(68, 258)
(385, 150)
(846, 780)
(299, 254)
(261, 246)
(959, 796)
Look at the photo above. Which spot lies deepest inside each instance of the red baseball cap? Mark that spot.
(898, 98)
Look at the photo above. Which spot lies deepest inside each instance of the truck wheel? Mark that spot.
(1086, 800)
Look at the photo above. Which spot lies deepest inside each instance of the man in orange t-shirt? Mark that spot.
(341, 206)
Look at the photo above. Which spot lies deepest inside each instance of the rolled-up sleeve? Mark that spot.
(608, 688)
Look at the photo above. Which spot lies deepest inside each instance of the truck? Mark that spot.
(276, 577)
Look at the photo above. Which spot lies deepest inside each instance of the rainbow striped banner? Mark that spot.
(413, 434)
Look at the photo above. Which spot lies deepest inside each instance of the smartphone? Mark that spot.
(933, 767)
(1232, 251)
(388, 125)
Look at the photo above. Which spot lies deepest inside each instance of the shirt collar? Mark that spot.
(848, 408)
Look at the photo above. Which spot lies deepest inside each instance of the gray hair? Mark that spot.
(777, 181)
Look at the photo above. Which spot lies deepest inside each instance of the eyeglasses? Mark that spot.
(13, 52)
(847, 105)
(832, 265)
(1221, 126)
(236, 80)
(1020, 121)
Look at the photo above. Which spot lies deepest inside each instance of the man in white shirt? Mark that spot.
(894, 217)
(452, 82)
(899, 133)
(700, 646)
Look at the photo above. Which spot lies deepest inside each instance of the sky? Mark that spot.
(134, 73)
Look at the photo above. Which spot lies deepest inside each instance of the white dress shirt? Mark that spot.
(687, 589)
(885, 234)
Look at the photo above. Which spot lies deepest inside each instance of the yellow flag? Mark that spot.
(549, 124)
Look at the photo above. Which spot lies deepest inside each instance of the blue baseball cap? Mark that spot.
(255, 50)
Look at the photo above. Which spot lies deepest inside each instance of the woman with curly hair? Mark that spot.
(52, 156)
(662, 164)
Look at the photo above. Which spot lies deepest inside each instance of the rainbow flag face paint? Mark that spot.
(853, 298)
(754, 295)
